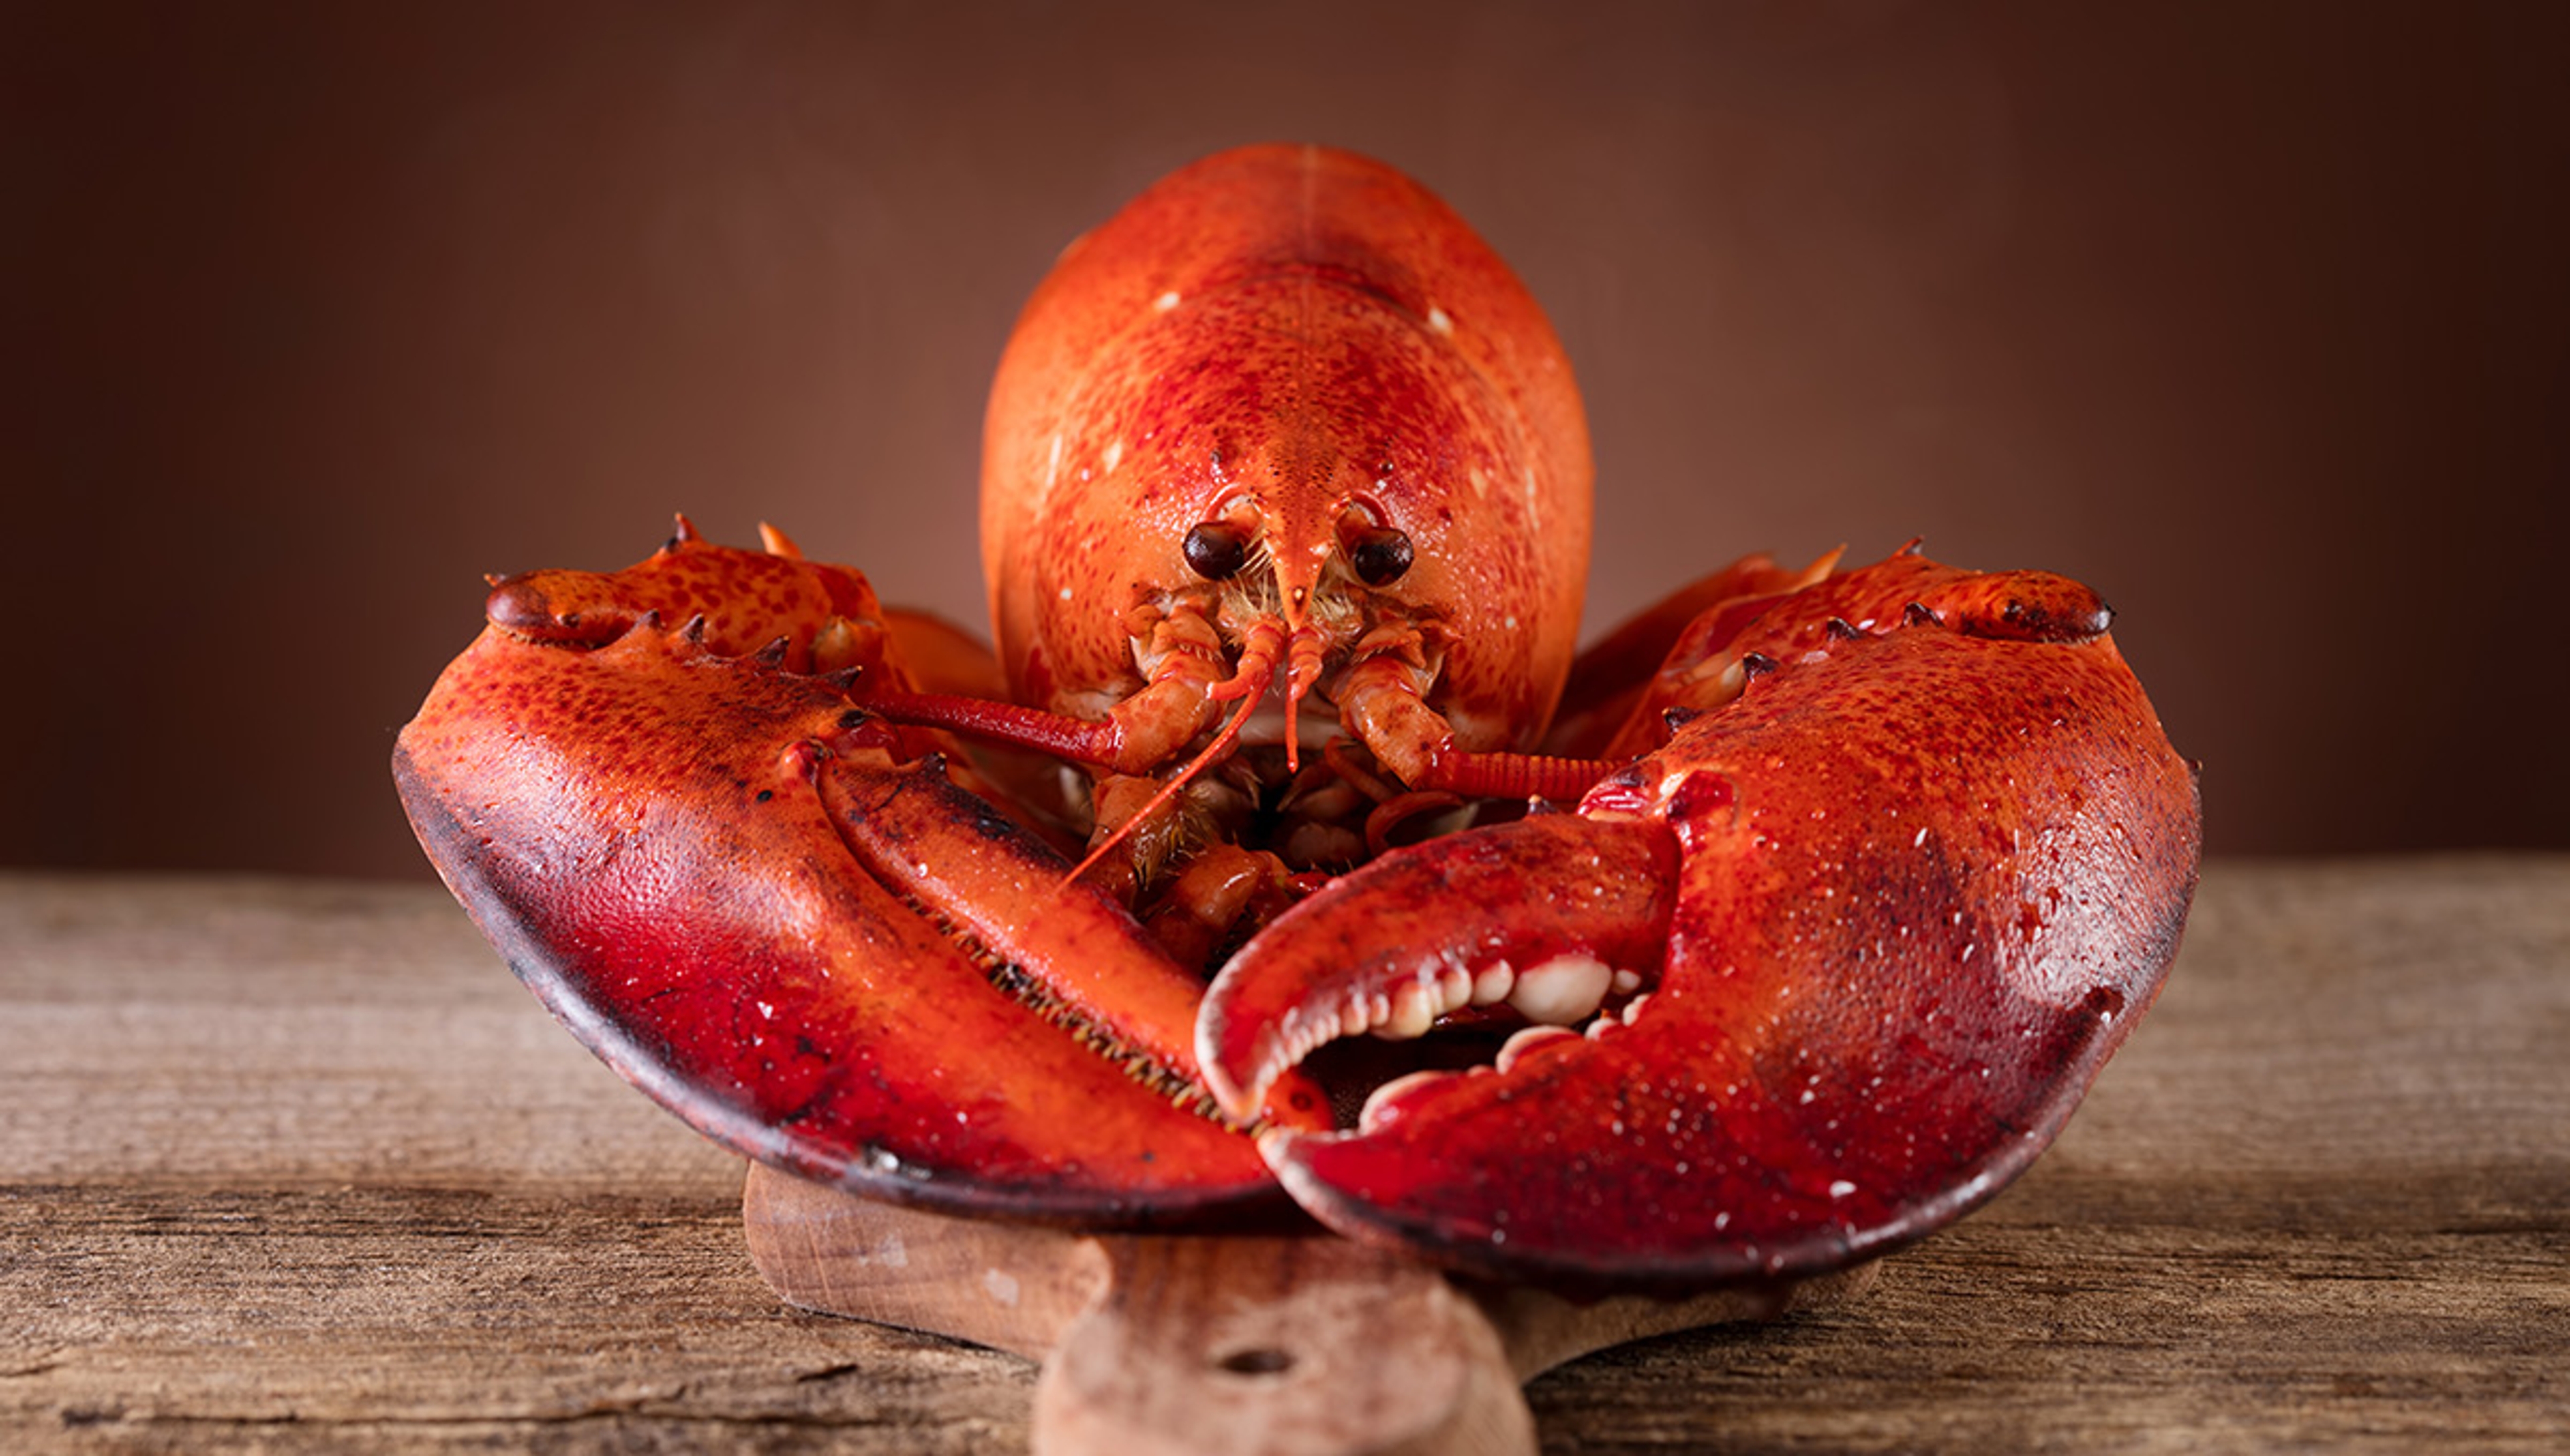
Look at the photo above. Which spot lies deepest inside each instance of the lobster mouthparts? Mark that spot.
(1856, 940)
(757, 902)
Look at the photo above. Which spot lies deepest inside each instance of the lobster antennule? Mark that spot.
(1305, 654)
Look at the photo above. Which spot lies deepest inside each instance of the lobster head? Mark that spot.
(1293, 378)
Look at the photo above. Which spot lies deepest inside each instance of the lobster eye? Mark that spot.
(1216, 550)
(1378, 556)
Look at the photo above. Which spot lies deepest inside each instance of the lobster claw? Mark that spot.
(746, 894)
(1856, 938)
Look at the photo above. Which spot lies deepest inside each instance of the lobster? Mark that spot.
(1854, 879)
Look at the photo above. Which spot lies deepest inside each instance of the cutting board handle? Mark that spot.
(1276, 1347)
(1216, 1345)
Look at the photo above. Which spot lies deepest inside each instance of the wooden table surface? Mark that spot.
(290, 1166)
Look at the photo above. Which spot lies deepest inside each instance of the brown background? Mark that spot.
(2252, 315)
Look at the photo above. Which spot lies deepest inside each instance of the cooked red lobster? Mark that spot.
(1854, 879)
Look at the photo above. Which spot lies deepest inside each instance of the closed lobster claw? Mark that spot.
(660, 793)
(1855, 934)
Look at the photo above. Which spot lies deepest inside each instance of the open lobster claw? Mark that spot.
(1876, 870)
(1855, 940)
(774, 914)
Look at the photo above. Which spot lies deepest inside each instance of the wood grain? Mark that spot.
(1287, 1344)
(296, 1165)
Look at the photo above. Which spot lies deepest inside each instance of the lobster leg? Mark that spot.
(745, 894)
(1924, 870)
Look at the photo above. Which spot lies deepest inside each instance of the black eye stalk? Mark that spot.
(1378, 556)
(1216, 550)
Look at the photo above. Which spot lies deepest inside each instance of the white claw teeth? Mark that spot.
(1527, 1040)
(1371, 1116)
(1352, 1017)
(1554, 996)
(1561, 991)
(1408, 1011)
(1412, 1012)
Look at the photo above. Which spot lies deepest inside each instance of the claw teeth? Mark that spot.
(1371, 1116)
(1357, 1015)
(1563, 990)
(1490, 986)
(1272, 1143)
(1409, 1011)
(1412, 1012)
(1527, 1040)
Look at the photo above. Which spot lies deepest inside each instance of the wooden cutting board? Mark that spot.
(1219, 1345)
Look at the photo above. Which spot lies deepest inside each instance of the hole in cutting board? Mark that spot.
(1257, 1362)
